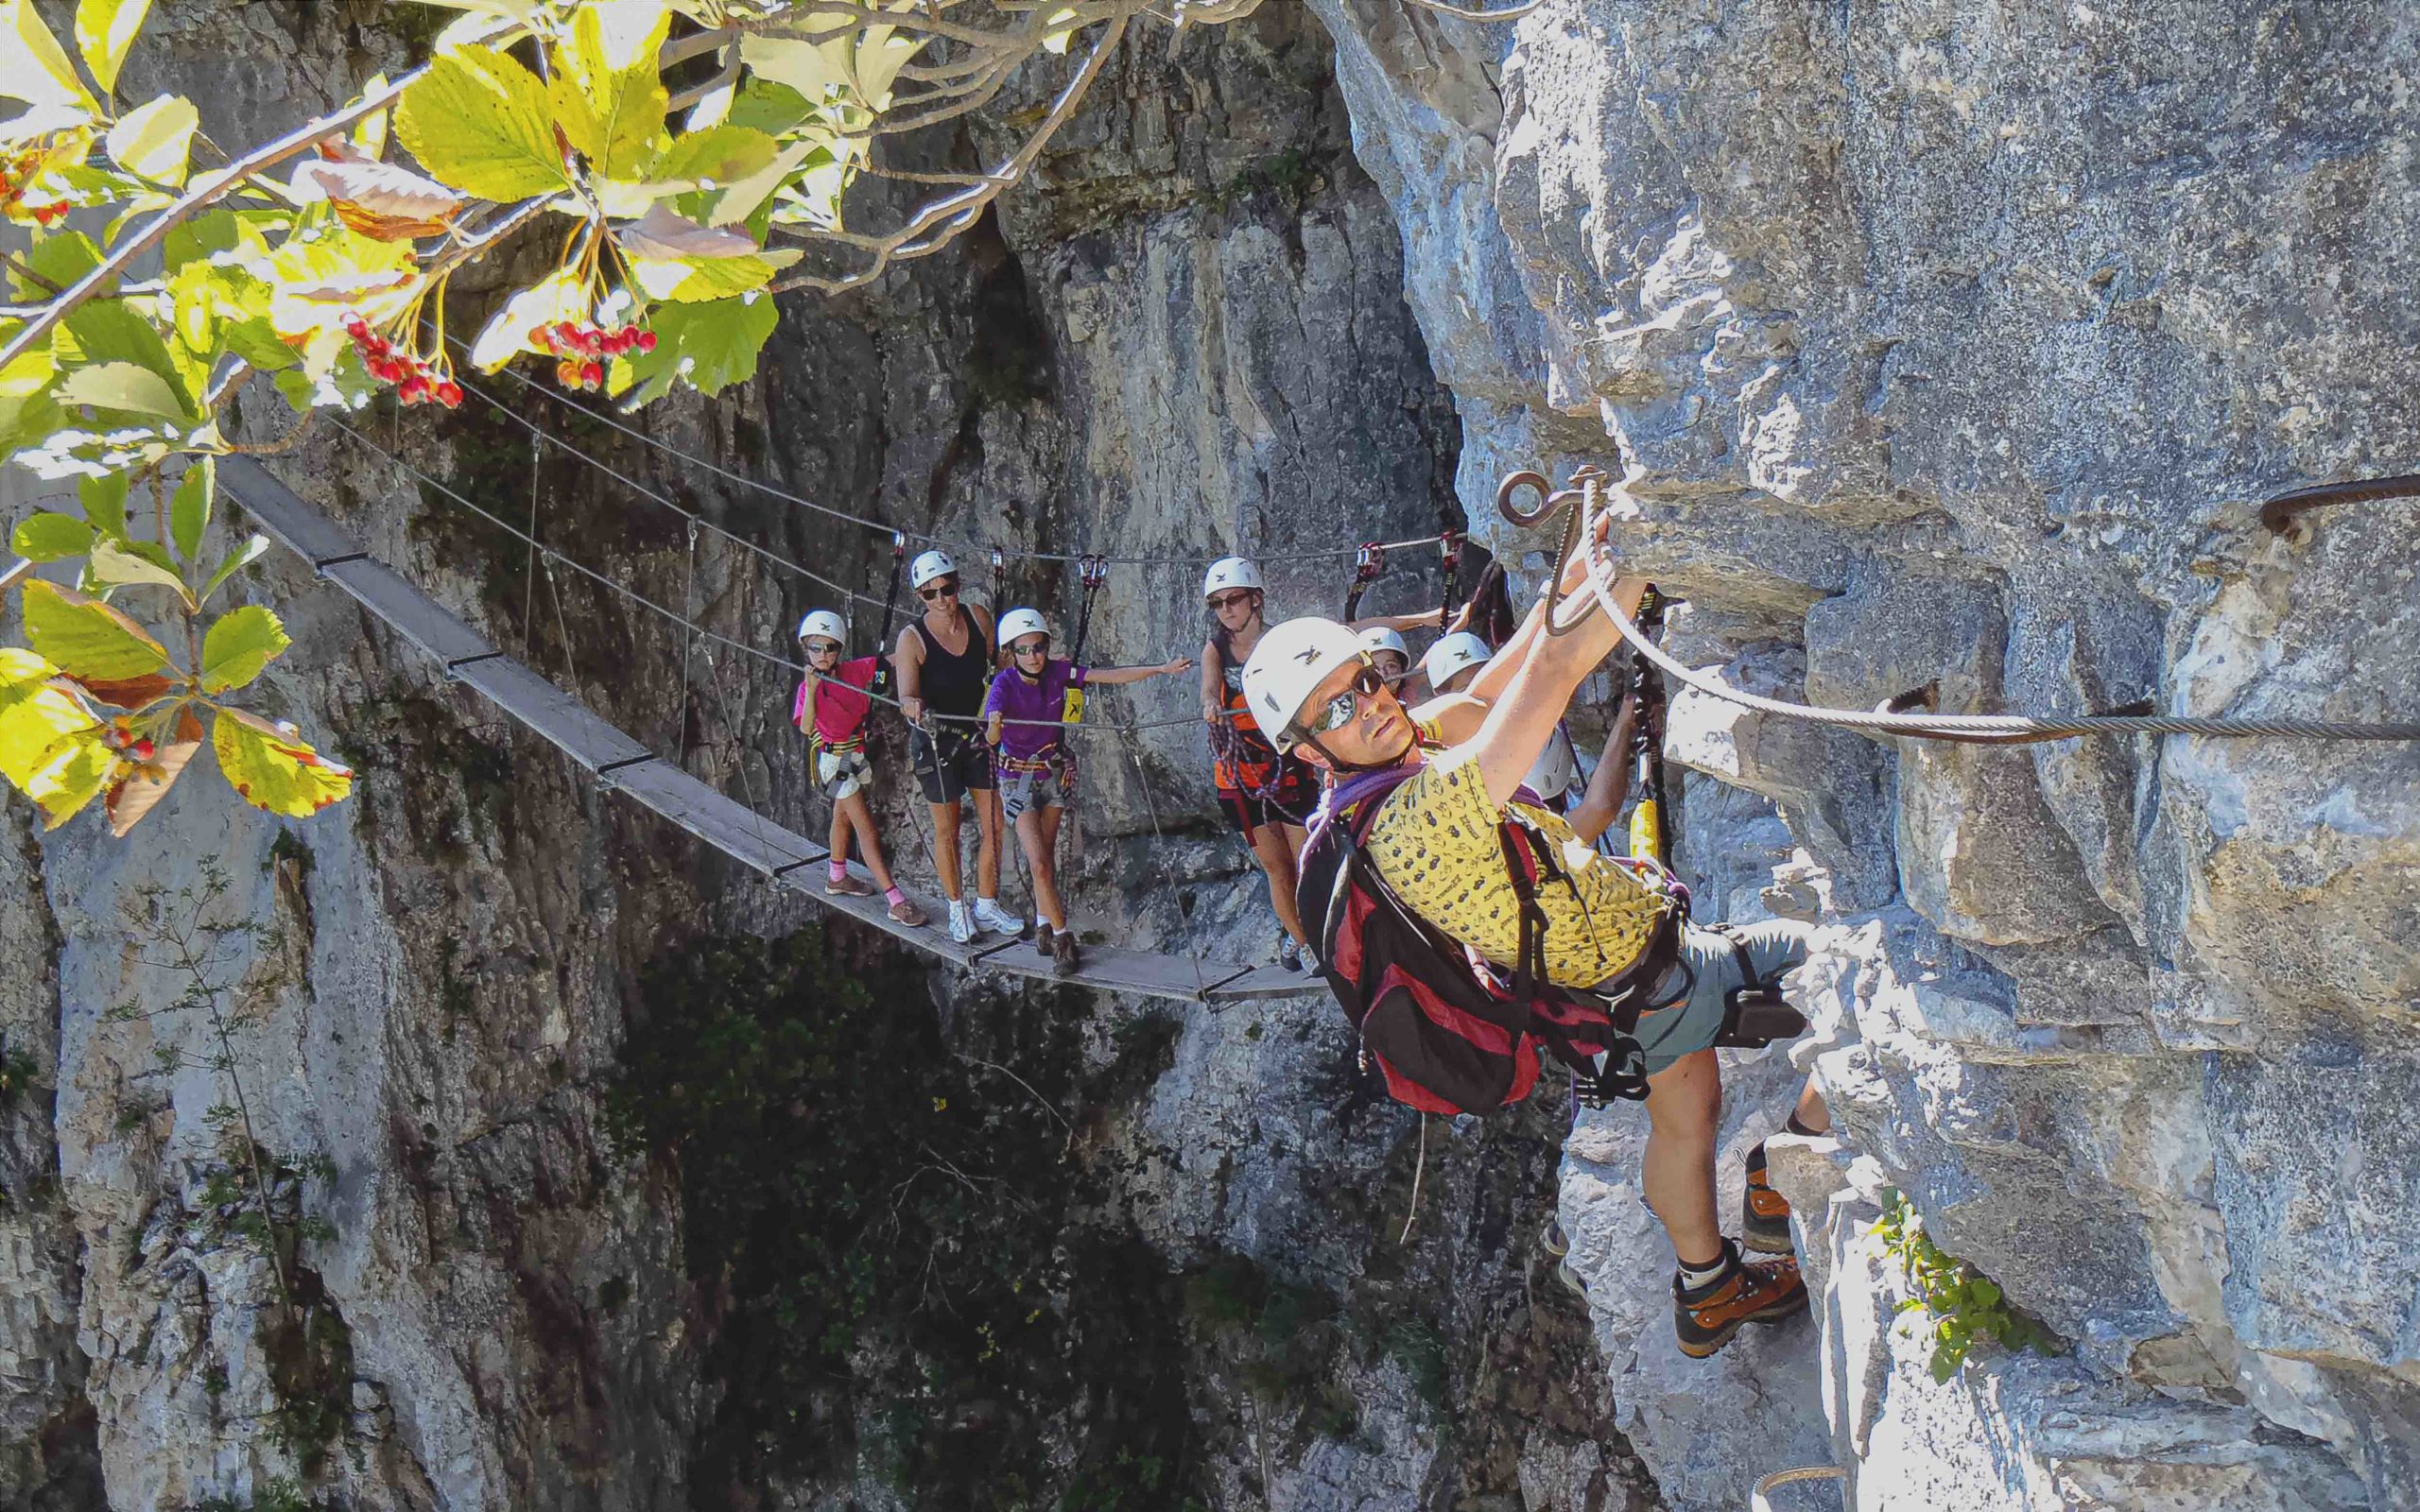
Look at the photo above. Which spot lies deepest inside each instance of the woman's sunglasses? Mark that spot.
(947, 588)
(1228, 601)
(1340, 710)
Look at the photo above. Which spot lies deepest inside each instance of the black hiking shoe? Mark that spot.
(1042, 937)
(1765, 1292)
(1063, 954)
(1764, 1214)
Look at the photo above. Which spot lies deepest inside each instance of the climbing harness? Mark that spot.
(1584, 509)
(1367, 564)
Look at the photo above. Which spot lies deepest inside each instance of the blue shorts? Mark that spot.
(1688, 1007)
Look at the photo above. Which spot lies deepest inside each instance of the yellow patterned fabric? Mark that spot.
(1435, 844)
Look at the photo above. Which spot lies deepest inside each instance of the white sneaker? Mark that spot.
(990, 915)
(961, 922)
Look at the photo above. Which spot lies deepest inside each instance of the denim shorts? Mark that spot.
(1688, 1003)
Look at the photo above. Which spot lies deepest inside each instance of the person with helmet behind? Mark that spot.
(1449, 665)
(945, 661)
(1428, 812)
(1034, 770)
(831, 712)
(1264, 794)
(1387, 654)
(1452, 665)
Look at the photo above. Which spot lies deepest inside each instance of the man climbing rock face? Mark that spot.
(1454, 769)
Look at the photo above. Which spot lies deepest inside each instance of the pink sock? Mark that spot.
(895, 897)
(839, 871)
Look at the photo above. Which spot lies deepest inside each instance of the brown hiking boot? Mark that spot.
(845, 886)
(1765, 1291)
(1064, 956)
(1764, 1214)
(906, 912)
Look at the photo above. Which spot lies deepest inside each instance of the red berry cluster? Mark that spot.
(416, 380)
(581, 347)
(130, 746)
(17, 174)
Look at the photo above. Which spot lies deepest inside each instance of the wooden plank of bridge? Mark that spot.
(411, 612)
(552, 712)
(735, 829)
(282, 515)
(932, 938)
(1267, 982)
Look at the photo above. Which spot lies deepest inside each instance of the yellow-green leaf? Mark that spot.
(708, 346)
(239, 647)
(742, 199)
(104, 30)
(1056, 42)
(85, 637)
(692, 280)
(121, 386)
(119, 564)
(609, 66)
(104, 502)
(155, 141)
(242, 556)
(274, 770)
(146, 782)
(37, 70)
(51, 537)
(558, 296)
(189, 508)
(716, 158)
(50, 741)
(478, 121)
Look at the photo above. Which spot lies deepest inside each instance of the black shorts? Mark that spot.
(1296, 795)
(963, 759)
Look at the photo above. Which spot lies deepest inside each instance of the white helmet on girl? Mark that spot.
(1018, 623)
(1451, 655)
(1228, 573)
(1288, 666)
(1378, 638)
(930, 565)
(825, 624)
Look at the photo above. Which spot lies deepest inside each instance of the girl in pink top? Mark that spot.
(831, 712)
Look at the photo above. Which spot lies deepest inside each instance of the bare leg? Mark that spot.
(945, 849)
(1268, 848)
(859, 815)
(1685, 1107)
(1038, 832)
(840, 828)
(1811, 1112)
(987, 835)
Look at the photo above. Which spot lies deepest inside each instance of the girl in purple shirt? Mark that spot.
(1037, 776)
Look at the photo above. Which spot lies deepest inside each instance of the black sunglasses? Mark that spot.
(1340, 710)
(1226, 601)
(947, 589)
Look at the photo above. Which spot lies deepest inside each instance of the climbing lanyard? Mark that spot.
(1647, 840)
(1092, 571)
(1449, 547)
(890, 603)
(1367, 564)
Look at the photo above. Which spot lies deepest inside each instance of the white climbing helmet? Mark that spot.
(930, 565)
(1450, 655)
(824, 624)
(1378, 638)
(1228, 573)
(1019, 623)
(1288, 666)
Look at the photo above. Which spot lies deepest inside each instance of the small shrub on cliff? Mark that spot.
(1965, 1304)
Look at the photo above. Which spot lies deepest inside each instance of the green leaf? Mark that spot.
(121, 386)
(1944, 1365)
(742, 200)
(51, 79)
(274, 770)
(210, 234)
(719, 156)
(119, 564)
(62, 257)
(85, 637)
(51, 537)
(50, 740)
(697, 279)
(189, 508)
(155, 141)
(767, 106)
(239, 647)
(477, 121)
(609, 97)
(710, 347)
(1984, 1291)
(113, 330)
(104, 30)
(235, 562)
(104, 502)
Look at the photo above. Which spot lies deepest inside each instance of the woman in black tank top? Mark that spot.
(943, 691)
(955, 683)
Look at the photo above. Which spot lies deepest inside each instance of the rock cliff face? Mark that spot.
(1947, 344)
